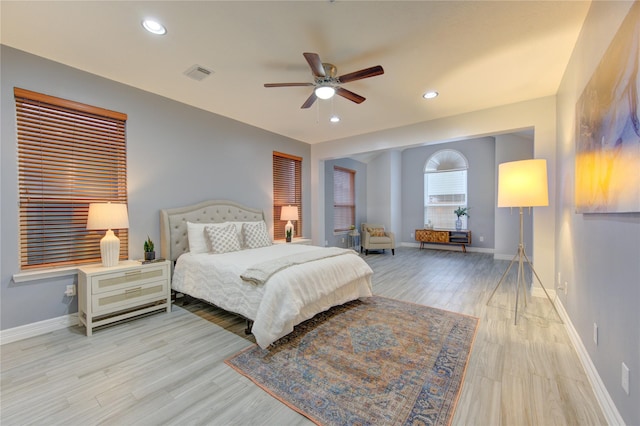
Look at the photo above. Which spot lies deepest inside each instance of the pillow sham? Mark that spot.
(222, 239)
(376, 232)
(255, 234)
(197, 238)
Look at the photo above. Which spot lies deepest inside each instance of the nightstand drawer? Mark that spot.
(127, 297)
(125, 279)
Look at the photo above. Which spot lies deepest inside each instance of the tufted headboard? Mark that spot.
(173, 222)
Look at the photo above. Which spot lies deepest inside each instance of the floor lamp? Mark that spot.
(522, 184)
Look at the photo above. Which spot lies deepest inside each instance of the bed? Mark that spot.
(283, 285)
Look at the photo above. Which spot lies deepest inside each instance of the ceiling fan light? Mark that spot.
(325, 92)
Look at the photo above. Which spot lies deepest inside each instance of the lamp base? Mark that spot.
(110, 249)
(288, 231)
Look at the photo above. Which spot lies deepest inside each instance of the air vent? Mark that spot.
(198, 72)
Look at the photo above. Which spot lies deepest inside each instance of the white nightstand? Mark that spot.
(107, 295)
(304, 241)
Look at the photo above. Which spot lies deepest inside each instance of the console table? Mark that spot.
(444, 236)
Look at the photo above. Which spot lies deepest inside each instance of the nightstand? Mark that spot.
(303, 241)
(129, 289)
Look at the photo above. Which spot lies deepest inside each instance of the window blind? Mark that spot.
(69, 155)
(344, 199)
(287, 191)
(444, 192)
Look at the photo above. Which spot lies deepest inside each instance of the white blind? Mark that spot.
(444, 192)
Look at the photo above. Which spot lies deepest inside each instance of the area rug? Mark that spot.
(371, 361)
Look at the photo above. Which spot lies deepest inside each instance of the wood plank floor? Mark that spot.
(168, 368)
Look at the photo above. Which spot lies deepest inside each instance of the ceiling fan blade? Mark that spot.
(359, 75)
(287, 84)
(310, 100)
(354, 97)
(315, 63)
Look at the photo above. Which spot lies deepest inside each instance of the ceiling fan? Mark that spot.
(327, 84)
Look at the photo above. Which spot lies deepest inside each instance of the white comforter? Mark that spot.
(289, 297)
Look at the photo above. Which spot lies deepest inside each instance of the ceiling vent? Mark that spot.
(198, 72)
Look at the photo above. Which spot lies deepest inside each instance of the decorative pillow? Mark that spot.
(197, 237)
(222, 239)
(255, 234)
(376, 232)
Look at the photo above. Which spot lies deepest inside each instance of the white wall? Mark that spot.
(598, 254)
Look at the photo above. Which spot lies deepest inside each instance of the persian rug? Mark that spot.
(371, 361)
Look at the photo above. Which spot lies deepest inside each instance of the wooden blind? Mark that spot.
(287, 191)
(69, 155)
(344, 199)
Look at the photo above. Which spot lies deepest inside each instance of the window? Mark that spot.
(445, 188)
(344, 199)
(287, 191)
(69, 155)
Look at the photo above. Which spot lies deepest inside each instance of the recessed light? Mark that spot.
(430, 94)
(154, 27)
(334, 119)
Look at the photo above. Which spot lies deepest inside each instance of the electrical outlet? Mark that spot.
(595, 333)
(625, 378)
(566, 285)
(342, 241)
(481, 238)
(71, 290)
(411, 235)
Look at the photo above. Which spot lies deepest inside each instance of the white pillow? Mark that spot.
(197, 238)
(255, 234)
(222, 239)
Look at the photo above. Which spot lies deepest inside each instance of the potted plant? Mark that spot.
(460, 211)
(149, 253)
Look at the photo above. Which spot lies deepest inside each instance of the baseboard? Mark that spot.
(609, 409)
(37, 328)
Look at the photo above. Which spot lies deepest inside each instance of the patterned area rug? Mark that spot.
(372, 361)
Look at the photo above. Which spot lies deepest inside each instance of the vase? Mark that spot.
(458, 224)
(149, 255)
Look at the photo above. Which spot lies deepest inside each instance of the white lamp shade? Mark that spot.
(325, 92)
(289, 213)
(107, 216)
(523, 184)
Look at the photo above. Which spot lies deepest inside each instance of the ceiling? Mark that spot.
(476, 54)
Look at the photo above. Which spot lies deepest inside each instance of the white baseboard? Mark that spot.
(452, 247)
(609, 409)
(37, 328)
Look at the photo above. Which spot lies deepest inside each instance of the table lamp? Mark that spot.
(289, 213)
(108, 216)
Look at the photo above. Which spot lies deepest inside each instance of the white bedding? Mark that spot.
(289, 297)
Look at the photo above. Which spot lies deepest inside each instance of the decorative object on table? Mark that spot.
(460, 211)
(607, 130)
(428, 225)
(289, 213)
(108, 216)
(415, 354)
(522, 184)
(149, 252)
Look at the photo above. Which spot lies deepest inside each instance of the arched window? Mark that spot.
(445, 188)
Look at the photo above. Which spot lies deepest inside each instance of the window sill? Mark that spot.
(42, 274)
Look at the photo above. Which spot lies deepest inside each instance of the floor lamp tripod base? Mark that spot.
(521, 257)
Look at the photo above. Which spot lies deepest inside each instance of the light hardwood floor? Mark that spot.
(168, 368)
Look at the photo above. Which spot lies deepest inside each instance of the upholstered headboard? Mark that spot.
(173, 222)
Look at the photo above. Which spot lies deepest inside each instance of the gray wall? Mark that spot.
(177, 155)
(481, 188)
(598, 255)
(361, 198)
